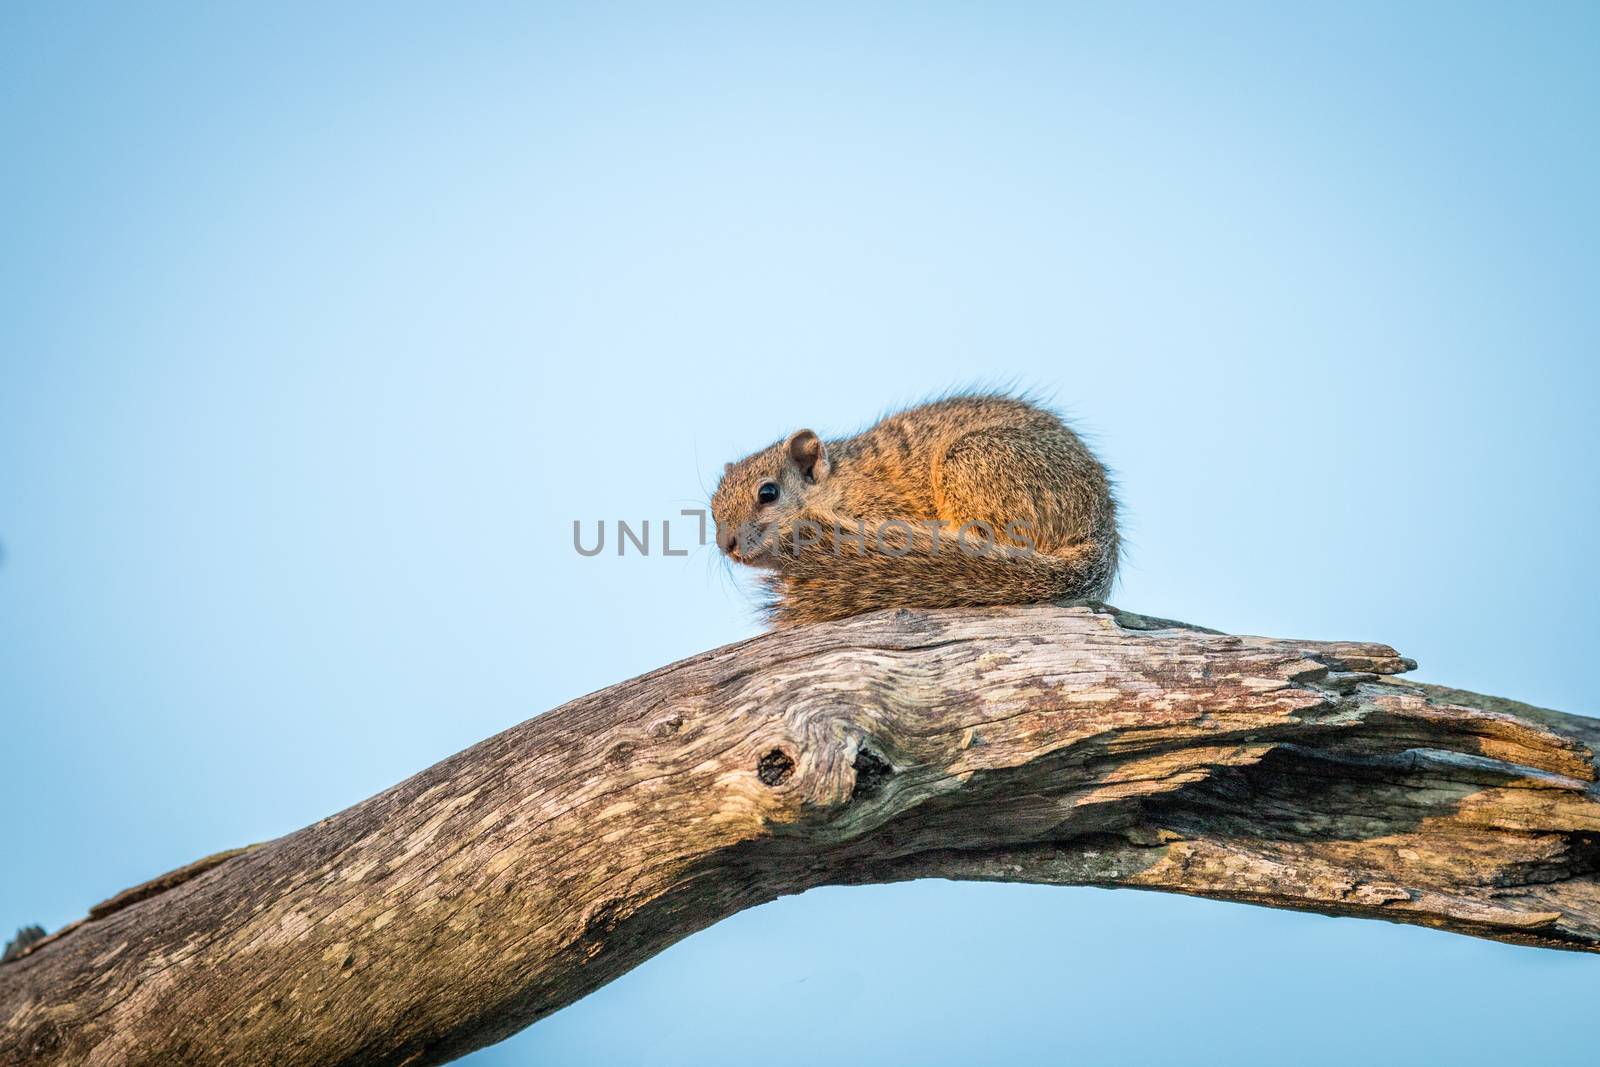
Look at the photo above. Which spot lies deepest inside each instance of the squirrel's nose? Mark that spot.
(728, 540)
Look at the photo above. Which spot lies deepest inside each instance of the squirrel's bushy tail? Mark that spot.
(845, 574)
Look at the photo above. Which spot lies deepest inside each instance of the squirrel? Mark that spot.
(965, 501)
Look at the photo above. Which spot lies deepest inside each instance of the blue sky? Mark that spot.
(319, 328)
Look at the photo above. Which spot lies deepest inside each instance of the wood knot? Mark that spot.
(872, 771)
(45, 1039)
(775, 768)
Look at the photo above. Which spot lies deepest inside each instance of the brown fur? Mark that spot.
(985, 458)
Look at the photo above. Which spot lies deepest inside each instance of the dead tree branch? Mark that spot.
(1067, 745)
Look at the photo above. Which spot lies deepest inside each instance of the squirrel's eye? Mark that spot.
(767, 493)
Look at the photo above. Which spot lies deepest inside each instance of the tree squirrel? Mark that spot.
(967, 500)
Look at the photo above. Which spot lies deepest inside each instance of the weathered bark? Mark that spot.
(1069, 745)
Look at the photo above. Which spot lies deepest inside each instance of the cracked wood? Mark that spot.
(1074, 745)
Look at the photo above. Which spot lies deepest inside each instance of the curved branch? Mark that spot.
(1071, 745)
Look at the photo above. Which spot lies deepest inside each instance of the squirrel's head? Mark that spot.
(759, 497)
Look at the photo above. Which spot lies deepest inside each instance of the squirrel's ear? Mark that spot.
(808, 453)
